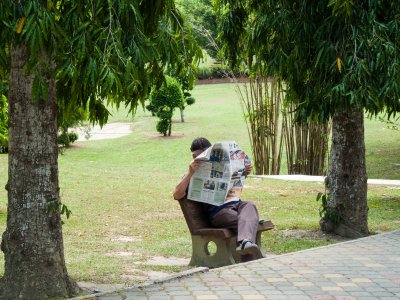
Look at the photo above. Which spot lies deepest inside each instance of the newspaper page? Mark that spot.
(221, 174)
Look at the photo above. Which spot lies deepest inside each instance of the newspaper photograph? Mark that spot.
(220, 177)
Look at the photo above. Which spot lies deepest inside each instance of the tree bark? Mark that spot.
(32, 243)
(347, 180)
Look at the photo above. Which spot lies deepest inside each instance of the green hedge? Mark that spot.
(217, 71)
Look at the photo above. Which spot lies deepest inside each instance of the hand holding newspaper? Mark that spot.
(220, 177)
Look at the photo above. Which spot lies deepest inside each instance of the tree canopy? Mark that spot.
(202, 18)
(102, 50)
(332, 54)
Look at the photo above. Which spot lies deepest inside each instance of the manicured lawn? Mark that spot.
(123, 213)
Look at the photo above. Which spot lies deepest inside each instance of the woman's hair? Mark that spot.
(200, 143)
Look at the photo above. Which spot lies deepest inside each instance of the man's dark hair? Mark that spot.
(200, 143)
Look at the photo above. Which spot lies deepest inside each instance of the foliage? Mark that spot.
(56, 205)
(103, 51)
(190, 100)
(201, 16)
(163, 124)
(353, 44)
(393, 124)
(186, 81)
(67, 118)
(3, 124)
(327, 212)
(164, 100)
(218, 71)
(65, 139)
(73, 137)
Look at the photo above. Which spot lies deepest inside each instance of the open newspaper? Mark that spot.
(220, 177)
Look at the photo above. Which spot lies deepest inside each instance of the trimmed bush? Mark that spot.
(164, 100)
(65, 139)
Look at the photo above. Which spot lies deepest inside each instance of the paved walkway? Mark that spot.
(367, 268)
(321, 179)
(109, 131)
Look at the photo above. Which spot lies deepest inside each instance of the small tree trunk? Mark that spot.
(182, 117)
(32, 243)
(347, 180)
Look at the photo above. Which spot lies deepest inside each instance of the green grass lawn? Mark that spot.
(121, 189)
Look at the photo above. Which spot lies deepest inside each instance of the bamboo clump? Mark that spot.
(272, 131)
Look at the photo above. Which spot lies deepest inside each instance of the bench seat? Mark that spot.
(203, 233)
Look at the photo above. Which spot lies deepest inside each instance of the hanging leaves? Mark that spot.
(104, 52)
(334, 54)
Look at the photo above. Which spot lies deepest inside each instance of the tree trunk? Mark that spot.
(182, 116)
(347, 180)
(32, 243)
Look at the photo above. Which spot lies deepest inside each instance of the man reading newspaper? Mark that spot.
(216, 179)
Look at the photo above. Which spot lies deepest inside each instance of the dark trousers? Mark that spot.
(241, 217)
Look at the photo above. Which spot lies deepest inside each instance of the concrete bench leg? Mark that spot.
(258, 242)
(202, 257)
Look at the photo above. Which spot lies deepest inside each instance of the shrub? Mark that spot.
(73, 136)
(65, 139)
(164, 100)
(218, 71)
(162, 126)
(190, 100)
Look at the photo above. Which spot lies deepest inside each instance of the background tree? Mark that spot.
(86, 54)
(337, 58)
(188, 99)
(164, 100)
(202, 18)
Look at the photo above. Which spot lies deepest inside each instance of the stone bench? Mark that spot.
(202, 233)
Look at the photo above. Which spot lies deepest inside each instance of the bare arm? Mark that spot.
(180, 189)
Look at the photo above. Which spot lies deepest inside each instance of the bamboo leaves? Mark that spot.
(103, 51)
(334, 54)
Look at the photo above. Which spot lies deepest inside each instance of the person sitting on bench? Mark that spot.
(240, 216)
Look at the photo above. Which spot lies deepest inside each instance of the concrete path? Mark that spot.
(367, 268)
(109, 131)
(321, 179)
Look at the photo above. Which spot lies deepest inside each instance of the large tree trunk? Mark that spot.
(347, 180)
(32, 243)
